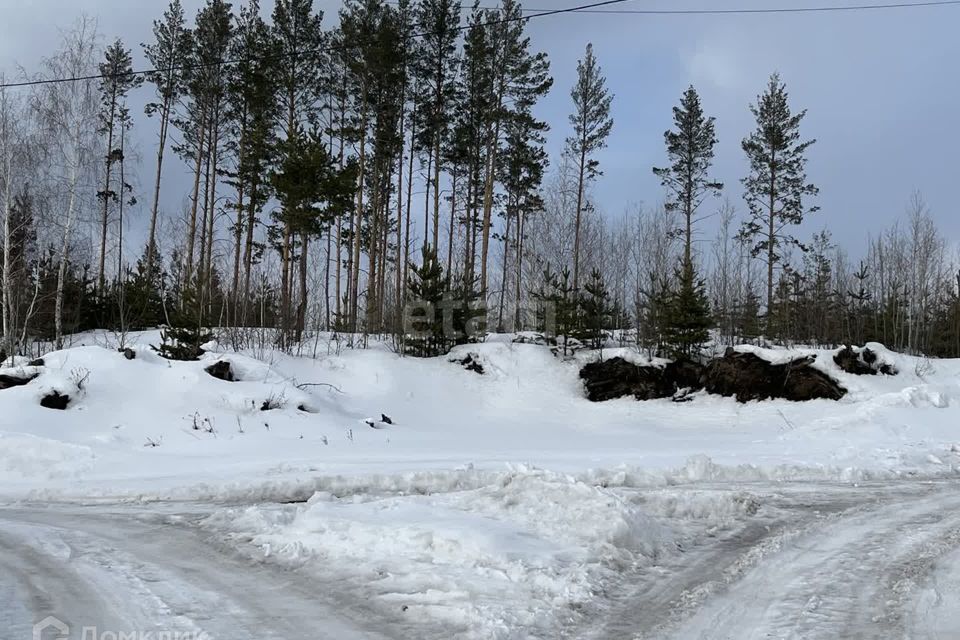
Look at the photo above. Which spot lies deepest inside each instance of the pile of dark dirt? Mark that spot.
(221, 370)
(746, 376)
(743, 375)
(55, 400)
(616, 378)
(18, 379)
(862, 362)
(471, 363)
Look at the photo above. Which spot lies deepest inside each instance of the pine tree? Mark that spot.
(524, 79)
(167, 56)
(524, 163)
(427, 286)
(375, 72)
(252, 111)
(748, 317)
(468, 148)
(687, 324)
(202, 124)
(384, 69)
(144, 294)
(434, 66)
(299, 50)
(558, 307)
(595, 311)
(777, 183)
(118, 80)
(591, 126)
(184, 338)
(467, 317)
(312, 192)
(690, 151)
(519, 77)
(860, 297)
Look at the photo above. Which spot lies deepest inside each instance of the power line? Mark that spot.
(591, 8)
(691, 12)
(523, 18)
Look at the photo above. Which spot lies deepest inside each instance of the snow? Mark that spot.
(493, 502)
(491, 560)
(528, 407)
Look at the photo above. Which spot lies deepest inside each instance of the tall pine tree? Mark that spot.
(118, 80)
(690, 152)
(777, 185)
(592, 124)
(167, 55)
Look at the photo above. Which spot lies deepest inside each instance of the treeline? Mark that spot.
(340, 173)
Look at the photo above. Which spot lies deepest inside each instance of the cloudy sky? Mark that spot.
(881, 87)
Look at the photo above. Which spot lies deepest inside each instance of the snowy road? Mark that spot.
(881, 562)
(813, 561)
(136, 570)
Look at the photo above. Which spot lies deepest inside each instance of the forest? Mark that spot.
(361, 174)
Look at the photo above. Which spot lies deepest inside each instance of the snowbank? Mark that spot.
(490, 561)
(152, 428)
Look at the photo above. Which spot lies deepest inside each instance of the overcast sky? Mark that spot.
(882, 90)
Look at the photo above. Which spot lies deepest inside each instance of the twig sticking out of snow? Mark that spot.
(319, 384)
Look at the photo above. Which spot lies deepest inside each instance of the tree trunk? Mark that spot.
(492, 147)
(771, 232)
(211, 218)
(576, 226)
(406, 237)
(62, 269)
(285, 283)
(202, 265)
(426, 201)
(398, 255)
(355, 276)
(9, 343)
(248, 245)
(338, 315)
(302, 308)
(326, 278)
(155, 207)
(192, 227)
(237, 250)
(123, 183)
(436, 196)
(106, 202)
(517, 326)
(471, 232)
(503, 276)
(373, 251)
(453, 222)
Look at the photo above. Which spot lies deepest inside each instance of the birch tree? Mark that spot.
(68, 112)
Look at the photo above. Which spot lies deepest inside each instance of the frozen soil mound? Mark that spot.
(862, 361)
(617, 377)
(744, 375)
(747, 376)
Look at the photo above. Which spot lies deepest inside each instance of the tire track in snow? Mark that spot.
(667, 594)
(935, 611)
(849, 578)
(134, 570)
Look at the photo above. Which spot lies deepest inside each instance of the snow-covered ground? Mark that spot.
(502, 505)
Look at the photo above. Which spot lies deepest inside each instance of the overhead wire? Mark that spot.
(330, 49)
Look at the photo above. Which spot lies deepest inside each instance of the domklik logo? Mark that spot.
(51, 628)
